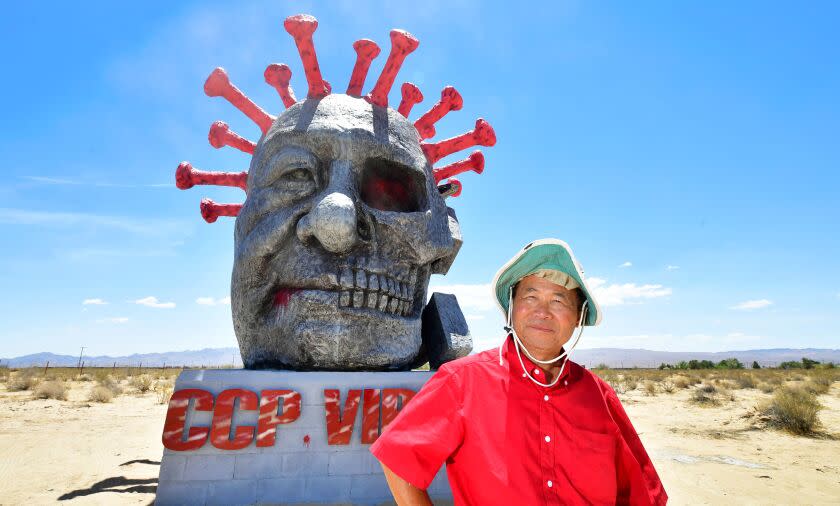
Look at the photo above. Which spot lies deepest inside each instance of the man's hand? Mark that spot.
(404, 492)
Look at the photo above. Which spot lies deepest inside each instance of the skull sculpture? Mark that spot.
(344, 221)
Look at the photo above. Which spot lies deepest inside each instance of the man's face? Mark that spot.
(336, 241)
(544, 314)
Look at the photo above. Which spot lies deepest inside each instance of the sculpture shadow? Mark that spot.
(115, 484)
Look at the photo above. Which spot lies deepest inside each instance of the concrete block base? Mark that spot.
(304, 465)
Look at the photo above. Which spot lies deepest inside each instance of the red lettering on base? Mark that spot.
(176, 415)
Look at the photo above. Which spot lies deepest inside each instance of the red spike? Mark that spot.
(301, 27)
(210, 210)
(218, 85)
(279, 75)
(474, 162)
(402, 43)
(186, 177)
(410, 95)
(220, 136)
(450, 100)
(366, 51)
(482, 135)
(451, 188)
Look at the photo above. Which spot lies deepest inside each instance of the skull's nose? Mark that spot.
(332, 221)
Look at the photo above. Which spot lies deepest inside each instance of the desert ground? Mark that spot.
(712, 435)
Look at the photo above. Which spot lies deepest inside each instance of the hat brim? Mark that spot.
(551, 254)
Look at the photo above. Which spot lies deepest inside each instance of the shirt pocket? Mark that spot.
(590, 466)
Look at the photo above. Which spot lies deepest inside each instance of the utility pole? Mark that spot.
(80, 360)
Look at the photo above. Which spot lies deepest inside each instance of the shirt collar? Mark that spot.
(515, 368)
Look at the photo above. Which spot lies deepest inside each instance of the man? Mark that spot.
(523, 425)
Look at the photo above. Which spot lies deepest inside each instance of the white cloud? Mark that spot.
(93, 302)
(618, 294)
(474, 297)
(626, 264)
(210, 301)
(752, 304)
(153, 302)
(672, 267)
(118, 319)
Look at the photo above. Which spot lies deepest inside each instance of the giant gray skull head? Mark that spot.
(344, 222)
(334, 246)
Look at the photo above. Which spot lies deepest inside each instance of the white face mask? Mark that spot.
(518, 344)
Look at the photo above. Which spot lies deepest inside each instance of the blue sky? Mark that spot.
(688, 153)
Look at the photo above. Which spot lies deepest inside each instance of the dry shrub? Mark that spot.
(682, 382)
(649, 388)
(142, 383)
(794, 409)
(51, 390)
(100, 393)
(818, 386)
(163, 390)
(767, 388)
(108, 382)
(745, 381)
(705, 395)
(25, 379)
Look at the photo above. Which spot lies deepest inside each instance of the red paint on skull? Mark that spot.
(272, 401)
(340, 421)
(176, 415)
(221, 435)
(283, 296)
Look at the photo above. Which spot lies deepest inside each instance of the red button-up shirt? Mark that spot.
(508, 441)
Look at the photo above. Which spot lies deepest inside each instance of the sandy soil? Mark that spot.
(79, 452)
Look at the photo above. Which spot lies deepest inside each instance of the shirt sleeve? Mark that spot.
(638, 483)
(425, 433)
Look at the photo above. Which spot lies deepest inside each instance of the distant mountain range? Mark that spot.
(612, 357)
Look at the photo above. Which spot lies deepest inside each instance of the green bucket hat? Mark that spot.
(541, 255)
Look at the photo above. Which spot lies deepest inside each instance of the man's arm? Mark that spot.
(404, 492)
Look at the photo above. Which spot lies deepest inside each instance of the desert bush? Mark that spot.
(163, 391)
(51, 390)
(142, 383)
(818, 385)
(794, 409)
(767, 388)
(745, 381)
(25, 379)
(649, 388)
(106, 381)
(682, 382)
(100, 393)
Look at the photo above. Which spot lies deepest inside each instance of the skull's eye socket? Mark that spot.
(389, 186)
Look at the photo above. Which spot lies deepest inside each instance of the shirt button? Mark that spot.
(548, 439)
(549, 484)
(545, 398)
